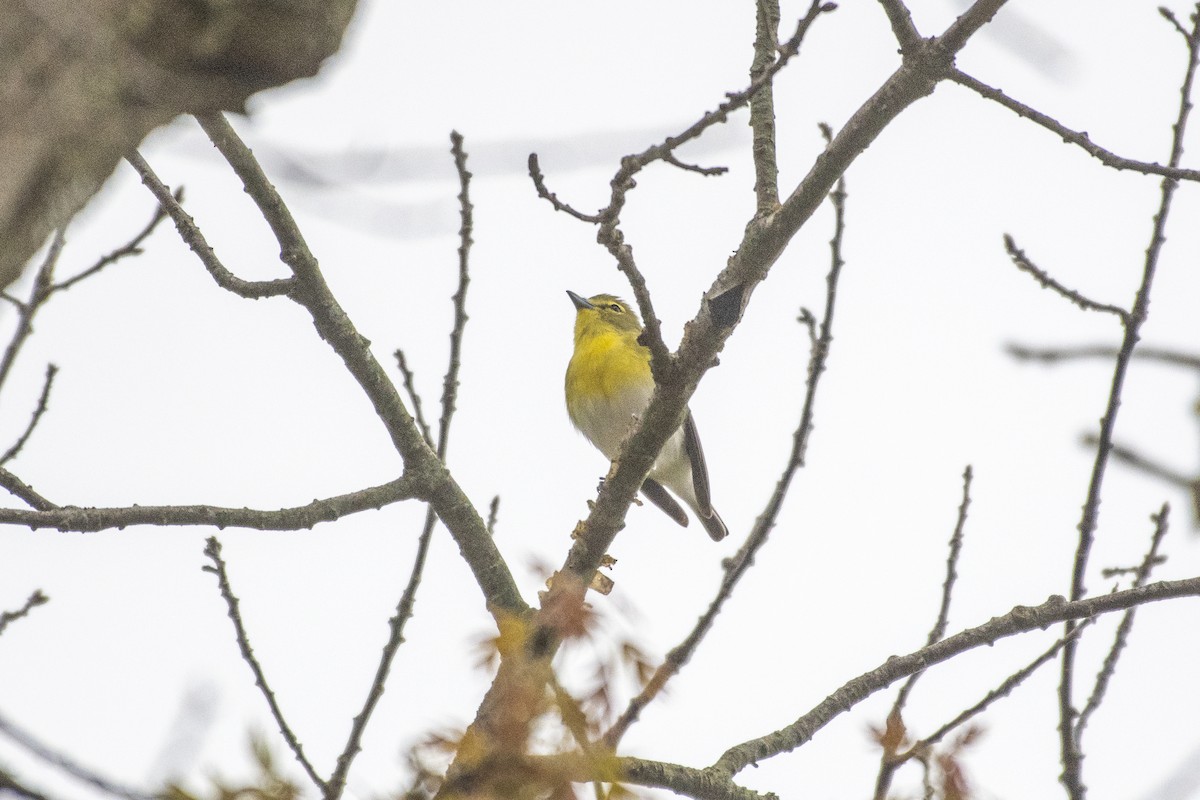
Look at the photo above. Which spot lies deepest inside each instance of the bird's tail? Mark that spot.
(714, 525)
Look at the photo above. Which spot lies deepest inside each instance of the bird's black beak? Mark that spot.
(580, 302)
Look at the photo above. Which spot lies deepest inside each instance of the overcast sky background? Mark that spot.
(173, 391)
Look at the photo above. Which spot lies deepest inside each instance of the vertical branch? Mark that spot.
(762, 107)
(38, 411)
(1141, 576)
(1072, 755)
(43, 283)
(891, 759)
(404, 609)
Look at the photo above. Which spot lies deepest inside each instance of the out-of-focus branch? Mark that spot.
(1052, 355)
(903, 29)
(33, 601)
(86, 82)
(68, 765)
(88, 520)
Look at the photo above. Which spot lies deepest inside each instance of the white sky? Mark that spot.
(172, 391)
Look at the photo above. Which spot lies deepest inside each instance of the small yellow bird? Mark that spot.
(609, 385)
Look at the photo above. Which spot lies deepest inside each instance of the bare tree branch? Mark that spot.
(410, 387)
(1020, 620)
(740, 564)
(212, 549)
(1051, 355)
(891, 760)
(1041, 276)
(901, 21)
(1078, 138)
(762, 105)
(23, 491)
(33, 601)
(88, 520)
(1072, 756)
(404, 609)
(68, 765)
(34, 418)
(1121, 638)
(43, 282)
(422, 466)
(191, 235)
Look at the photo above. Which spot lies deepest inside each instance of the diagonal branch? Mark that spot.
(1020, 619)
(1077, 138)
(33, 601)
(212, 549)
(191, 235)
(429, 475)
(34, 418)
(1024, 264)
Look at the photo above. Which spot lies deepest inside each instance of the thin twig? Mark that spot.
(1109, 668)
(1078, 138)
(43, 281)
(410, 387)
(89, 520)
(466, 227)
(706, 171)
(493, 513)
(33, 601)
(191, 235)
(1132, 458)
(212, 549)
(1020, 619)
(131, 248)
(890, 761)
(539, 183)
(24, 492)
(1003, 690)
(741, 562)
(34, 418)
(1024, 264)
(1072, 755)
(404, 609)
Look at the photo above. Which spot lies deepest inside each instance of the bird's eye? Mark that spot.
(615, 307)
